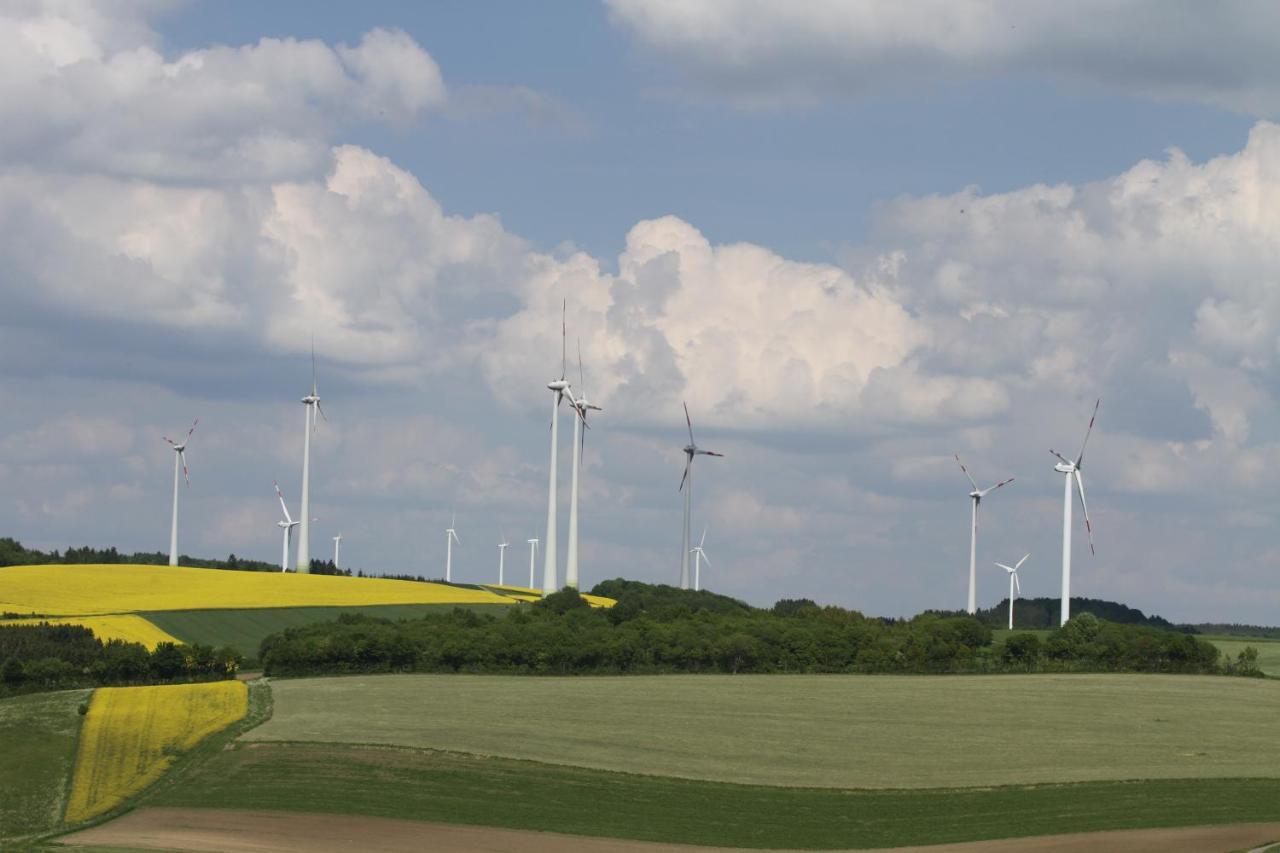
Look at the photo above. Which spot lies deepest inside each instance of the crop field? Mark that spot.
(126, 627)
(819, 731)
(130, 736)
(38, 744)
(89, 590)
(244, 630)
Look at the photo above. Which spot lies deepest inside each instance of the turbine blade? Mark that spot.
(1017, 585)
(1088, 431)
(283, 507)
(182, 456)
(320, 409)
(1020, 562)
(966, 473)
(1064, 459)
(172, 443)
(703, 540)
(996, 486)
(689, 421)
(582, 382)
(1006, 568)
(564, 307)
(193, 427)
(687, 464)
(709, 453)
(1088, 525)
(705, 558)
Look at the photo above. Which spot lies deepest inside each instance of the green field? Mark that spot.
(244, 630)
(822, 731)
(452, 788)
(1268, 650)
(37, 748)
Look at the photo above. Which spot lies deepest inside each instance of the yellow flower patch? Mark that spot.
(126, 627)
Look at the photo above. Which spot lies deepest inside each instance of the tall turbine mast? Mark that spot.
(559, 388)
(450, 536)
(977, 495)
(337, 549)
(502, 553)
(533, 556)
(179, 463)
(1071, 471)
(686, 485)
(581, 407)
(312, 404)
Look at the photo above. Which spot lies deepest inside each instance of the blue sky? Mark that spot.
(855, 243)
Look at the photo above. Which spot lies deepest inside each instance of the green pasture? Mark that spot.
(1268, 650)
(244, 630)
(38, 736)
(812, 731)
(453, 788)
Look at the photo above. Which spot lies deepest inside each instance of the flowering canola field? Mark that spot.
(524, 593)
(87, 590)
(130, 735)
(126, 627)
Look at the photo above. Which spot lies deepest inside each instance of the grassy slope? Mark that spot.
(37, 742)
(826, 731)
(245, 629)
(1268, 650)
(519, 794)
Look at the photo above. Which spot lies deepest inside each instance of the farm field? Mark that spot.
(127, 627)
(131, 734)
(89, 590)
(1268, 650)
(38, 741)
(244, 630)
(819, 731)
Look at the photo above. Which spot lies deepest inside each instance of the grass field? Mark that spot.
(244, 630)
(37, 747)
(1268, 650)
(827, 731)
(89, 590)
(501, 792)
(131, 734)
(127, 627)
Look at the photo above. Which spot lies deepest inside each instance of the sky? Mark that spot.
(857, 239)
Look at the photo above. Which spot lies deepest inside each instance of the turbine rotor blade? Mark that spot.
(988, 491)
(966, 472)
(582, 382)
(1006, 568)
(1088, 431)
(564, 308)
(1020, 562)
(705, 558)
(283, 507)
(687, 465)
(1088, 525)
(1017, 585)
(182, 456)
(709, 453)
(193, 427)
(1064, 459)
(703, 540)
(689, 421)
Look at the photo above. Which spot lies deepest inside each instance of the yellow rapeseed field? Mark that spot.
(84, 590)
(524, 593)
(127, 627)
(130, 735)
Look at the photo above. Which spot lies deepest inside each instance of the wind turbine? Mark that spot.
(977, 495)
(698, 556)
(502, 553)
(1072, 470)
(312, 403)
(581, 406)
(533, 555)
(337, 546)
(690, 451)
(286, 529)
(558, 388)
(179, 461)
(1013, 583)
(450, 536)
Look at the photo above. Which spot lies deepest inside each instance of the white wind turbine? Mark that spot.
(533, 556)
(179, 461)
(312, 403)
(698, 556)
(581, 406)
(686, 485)
(502, 553)
(1014, 585)
(450, 536)
(559, 389)
(977, 495)
(286, 530)
(1071, 470)
(337, 549)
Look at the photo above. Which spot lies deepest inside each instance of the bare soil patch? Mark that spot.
(237, 831)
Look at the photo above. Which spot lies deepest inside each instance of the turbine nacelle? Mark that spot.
(558, 385)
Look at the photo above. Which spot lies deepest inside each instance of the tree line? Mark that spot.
(14, 553)
(660, 629)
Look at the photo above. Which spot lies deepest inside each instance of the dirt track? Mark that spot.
(230, 831)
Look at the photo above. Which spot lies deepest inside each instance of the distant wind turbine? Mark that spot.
(1071, 470)
(559, 389)
(502, 553)
(581, 407)
(686, 485)
(286, 529)
(337, 549)
(977, 495)
(179, 462)
(533, 556)
(312, 403)
(1014, 586)
(450, 536)
(698, 556)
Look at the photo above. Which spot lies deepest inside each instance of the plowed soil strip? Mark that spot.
(236, 831)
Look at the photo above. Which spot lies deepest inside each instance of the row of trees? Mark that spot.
(655, 629)
(14, 553)
(54, 657)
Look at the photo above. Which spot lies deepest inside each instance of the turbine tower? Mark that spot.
(179, 461)
(698, 556)
(533, 556)
(559, 388)
(1071, 470)
(450, 536)
(977, 495)
(1014, 586)
(502, 553)
(337, 549)
(581, 406)
(686, 485)
(312, 404)
(286, 529)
